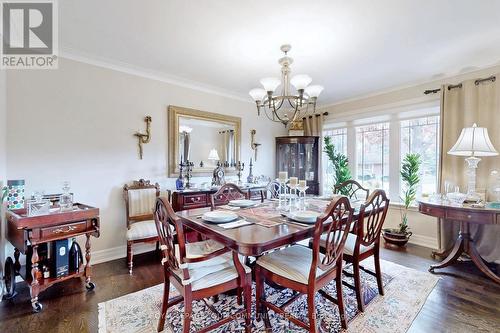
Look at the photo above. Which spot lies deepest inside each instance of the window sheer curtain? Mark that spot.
(461, 107)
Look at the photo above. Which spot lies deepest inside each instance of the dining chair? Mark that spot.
(198, 271)
(352, 189)
(225, 194)
(306, 270)
(140, 199)
(273, 188)
(366, 242)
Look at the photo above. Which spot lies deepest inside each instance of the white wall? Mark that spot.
(77, 123)
(424, 228)
(3, 157)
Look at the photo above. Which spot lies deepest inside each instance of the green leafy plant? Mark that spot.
(339, 161)
(410, 176)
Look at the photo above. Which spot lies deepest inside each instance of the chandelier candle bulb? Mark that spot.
(283, 175)
(293, 181)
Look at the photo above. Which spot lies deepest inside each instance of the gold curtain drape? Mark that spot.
(461, 107)
(313, 125)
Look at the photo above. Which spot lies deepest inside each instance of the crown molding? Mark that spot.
(424, 84)
(124, 67)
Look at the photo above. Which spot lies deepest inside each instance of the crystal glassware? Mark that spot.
(66, 198)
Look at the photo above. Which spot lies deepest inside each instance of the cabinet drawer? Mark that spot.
(64, 230)
(196, 200)
(476, 217)
(432, 211)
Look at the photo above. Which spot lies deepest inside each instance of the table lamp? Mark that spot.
(213, 155)
(473, 142)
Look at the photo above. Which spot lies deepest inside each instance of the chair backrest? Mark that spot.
(371, 218)
(225, 194)
(339, 214)
(352, 189)
(170, 233)
(274, 189)
(140, 200)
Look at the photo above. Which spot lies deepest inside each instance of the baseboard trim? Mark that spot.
(118, 252)
(425, 241)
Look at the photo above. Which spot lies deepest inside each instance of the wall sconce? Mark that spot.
(254, 145)
(144, 138)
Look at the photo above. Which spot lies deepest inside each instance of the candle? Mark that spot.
(302, 183)
(283, 175)
(293, 181)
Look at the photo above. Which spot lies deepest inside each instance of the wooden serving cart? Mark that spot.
(28, 233)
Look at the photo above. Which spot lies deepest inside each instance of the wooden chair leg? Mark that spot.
(340, 297)
(248, 303)
(164, 306)
(378, 272)
(188, 313)
(130, 257)
(357, 285)
(259, 293)
(239, 296)
(311, 312)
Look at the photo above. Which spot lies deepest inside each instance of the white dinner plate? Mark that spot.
(242, 203)
(306, 216)
(219, 216)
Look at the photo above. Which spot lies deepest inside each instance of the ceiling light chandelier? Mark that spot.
(286, 107)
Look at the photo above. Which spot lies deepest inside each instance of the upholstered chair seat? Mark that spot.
(141, 230)
(215, 271)
(350, 243)
(293, 263)
(202, 249)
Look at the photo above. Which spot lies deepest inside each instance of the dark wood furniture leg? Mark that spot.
(17, 264)
(34, 286)
(465, 244)
(89, 285)
(130, 257)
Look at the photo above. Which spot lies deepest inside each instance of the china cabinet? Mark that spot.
(299, 156)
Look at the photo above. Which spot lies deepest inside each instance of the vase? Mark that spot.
(15, 194)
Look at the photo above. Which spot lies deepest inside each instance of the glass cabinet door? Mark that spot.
(307, 162)
(287, 159)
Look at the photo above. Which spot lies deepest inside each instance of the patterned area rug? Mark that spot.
(405, 293)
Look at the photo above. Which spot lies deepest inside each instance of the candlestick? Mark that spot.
(282, 175)
(302, 183)
(293, 181)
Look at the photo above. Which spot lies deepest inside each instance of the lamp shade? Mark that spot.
(300, 81)
(257, 94)
(314, 90)
(473, 141)
(270, 83)
(213, 155)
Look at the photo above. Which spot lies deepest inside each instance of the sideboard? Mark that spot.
(190, 199)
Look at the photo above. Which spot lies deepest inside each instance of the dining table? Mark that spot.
(269, 226)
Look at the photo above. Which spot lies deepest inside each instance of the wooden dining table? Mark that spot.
(269, 229)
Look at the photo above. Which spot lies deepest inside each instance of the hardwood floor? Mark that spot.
(463, 301)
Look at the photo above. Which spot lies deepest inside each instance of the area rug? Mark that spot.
(405, 293)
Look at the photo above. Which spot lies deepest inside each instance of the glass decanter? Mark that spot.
(66, 198)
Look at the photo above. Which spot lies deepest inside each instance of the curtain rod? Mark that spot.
(477, 82)
(317, 115)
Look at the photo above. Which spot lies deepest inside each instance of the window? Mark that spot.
(339, 140)
(421, 136)
(372, 156)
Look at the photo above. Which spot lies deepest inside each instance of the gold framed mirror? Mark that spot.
(203, 138)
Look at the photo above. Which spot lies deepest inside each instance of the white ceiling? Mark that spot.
(352, 48)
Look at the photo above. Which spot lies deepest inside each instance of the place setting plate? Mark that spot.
(305, 216)
(219, 216)
(242, 203)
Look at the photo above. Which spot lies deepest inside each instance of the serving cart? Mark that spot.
(29, 234)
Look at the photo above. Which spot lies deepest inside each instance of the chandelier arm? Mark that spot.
(266, 112)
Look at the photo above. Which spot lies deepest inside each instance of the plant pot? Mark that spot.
(393, 236)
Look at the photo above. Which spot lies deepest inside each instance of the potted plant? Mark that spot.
(339, 161)
(410, 175)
